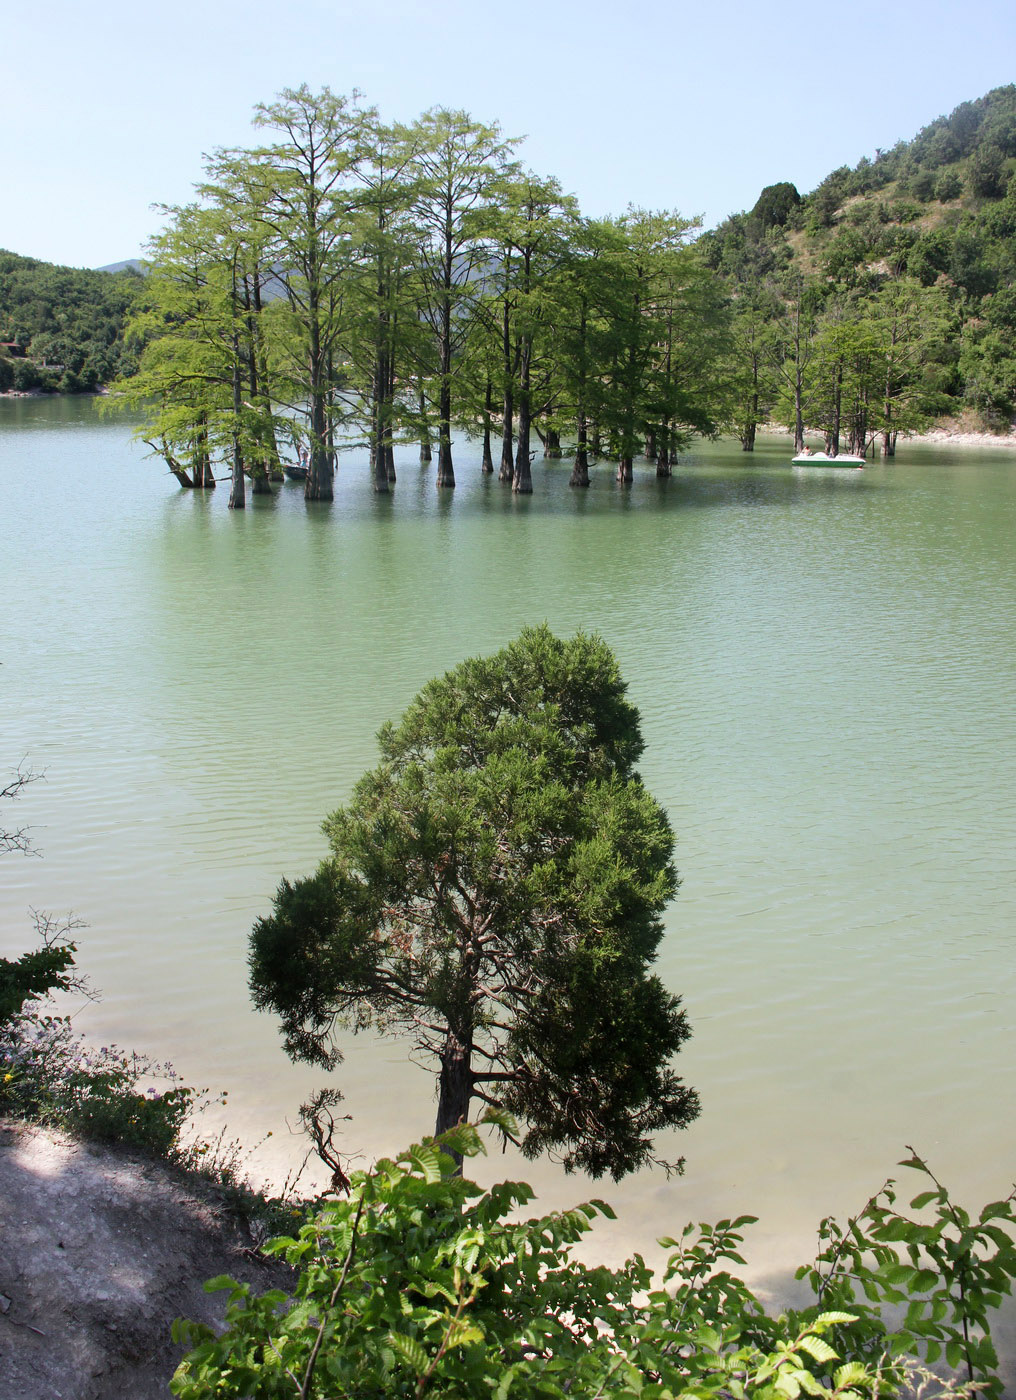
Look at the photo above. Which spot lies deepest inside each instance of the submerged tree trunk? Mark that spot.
(580, 471)
(379, 469)
(319, 477)
(750, 425)
(180, 472)
(522, 483)
(487, 461)
(237, 488)
(625, 476)
(552, 447)
(832, 442)
(425, 450)
(445, 469)
(201, 471)
(507, 440)
(798, 410)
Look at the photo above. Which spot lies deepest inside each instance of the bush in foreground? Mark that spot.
(420, 1284)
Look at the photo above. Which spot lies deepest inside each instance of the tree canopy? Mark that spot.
(494, 894)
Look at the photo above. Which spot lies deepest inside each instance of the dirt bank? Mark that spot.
(99, 1252)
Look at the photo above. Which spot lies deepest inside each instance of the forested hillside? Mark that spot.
(61, 328)
(885, 297)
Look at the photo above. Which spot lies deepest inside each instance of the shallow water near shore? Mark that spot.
(825, 666)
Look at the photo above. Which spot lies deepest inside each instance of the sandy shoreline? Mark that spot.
(939, 436)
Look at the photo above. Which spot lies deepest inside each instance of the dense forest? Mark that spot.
(887, 296)
(61, 328)
(351, 284)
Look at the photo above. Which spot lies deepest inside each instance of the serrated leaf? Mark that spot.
(427, 1162)
(954, 1355)
(833, 1319)
(410, 1350)
(851, 1373)
(817, 1349)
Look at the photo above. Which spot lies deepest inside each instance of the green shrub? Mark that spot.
(948, 186)
(422, 1284)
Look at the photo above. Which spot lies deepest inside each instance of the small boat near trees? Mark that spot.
(295, 471)
(823, 459)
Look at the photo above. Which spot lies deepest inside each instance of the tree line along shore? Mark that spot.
(342, 282)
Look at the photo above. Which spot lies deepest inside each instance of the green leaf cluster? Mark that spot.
(422, 1284)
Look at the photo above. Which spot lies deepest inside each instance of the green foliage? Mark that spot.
(72, 317)
(494, 893)
(33, 975)
(947, 1270)
(48, 1074)
(420, 1283)
(949, 185)
(775, 204)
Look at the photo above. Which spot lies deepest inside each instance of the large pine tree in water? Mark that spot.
(494, 894)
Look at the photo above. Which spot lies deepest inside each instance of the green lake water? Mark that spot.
(826, 669)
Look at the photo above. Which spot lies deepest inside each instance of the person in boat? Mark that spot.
(805, 451)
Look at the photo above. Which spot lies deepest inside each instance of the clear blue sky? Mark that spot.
(688, 105)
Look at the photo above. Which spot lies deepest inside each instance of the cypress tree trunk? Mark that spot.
(508, 410)
(625, 476)
(552, 447)
(237, 488)
(522, 483)
(832, 435)
(580, 471)
(663, 460)
(262, 394)
(202, 471)
(507, 451)
(651, 453)
(487, 462)
(445, 470)
(798, 411)
(174, 466)
(319, 477)
(425, 451)
(377, 436)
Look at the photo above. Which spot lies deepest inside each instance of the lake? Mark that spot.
(826, 669)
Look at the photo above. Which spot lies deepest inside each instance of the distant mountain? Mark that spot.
(128, 265)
